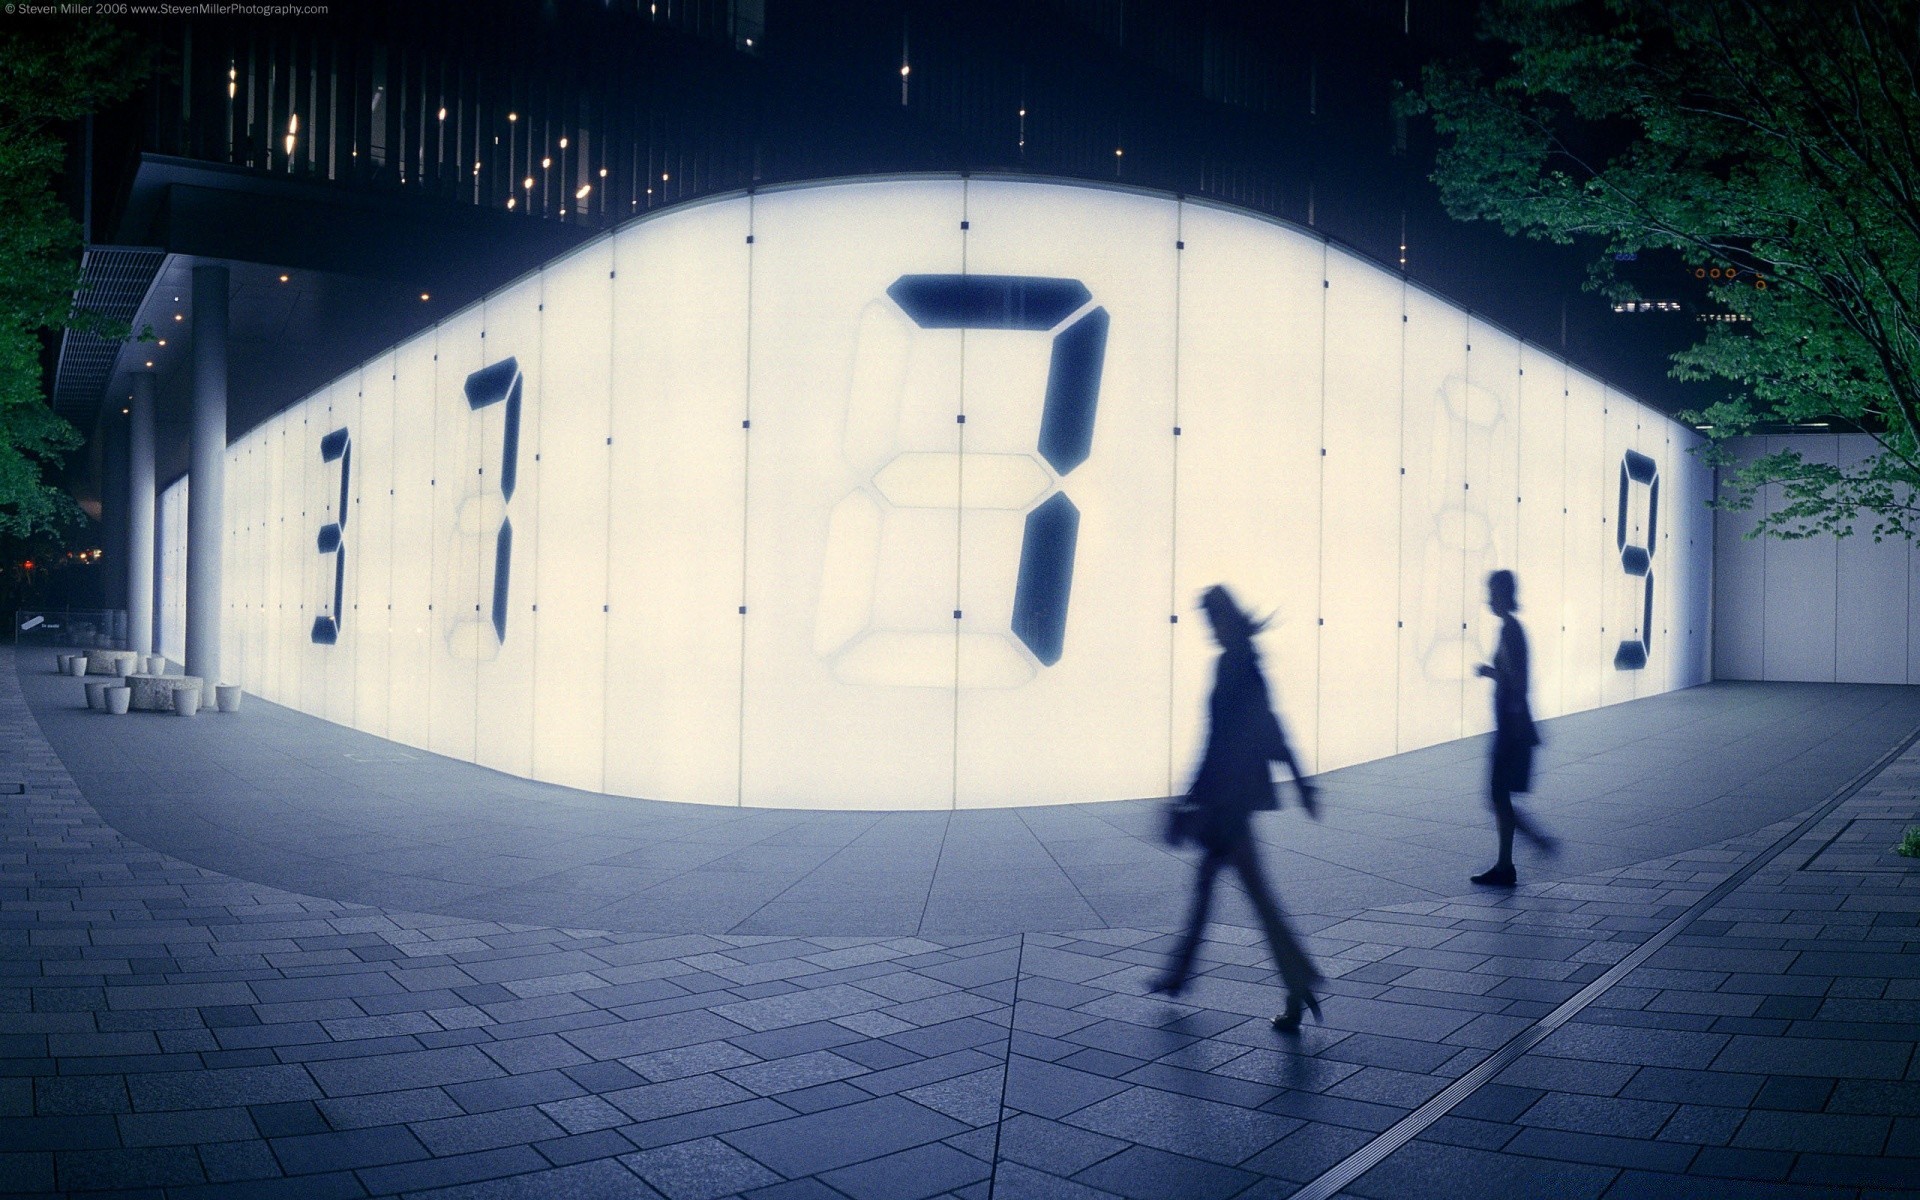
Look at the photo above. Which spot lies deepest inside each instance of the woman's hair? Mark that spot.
(1504, 590)
(1230, 621)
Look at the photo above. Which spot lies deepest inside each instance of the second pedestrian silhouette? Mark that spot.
(1234, 781)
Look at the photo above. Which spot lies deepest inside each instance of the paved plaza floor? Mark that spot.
(261, 955)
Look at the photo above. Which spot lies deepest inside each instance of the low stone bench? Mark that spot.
(101, 662)
(154, 693)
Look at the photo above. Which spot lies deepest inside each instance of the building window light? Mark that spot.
(563, 143)
(443, 112)
(545, 163)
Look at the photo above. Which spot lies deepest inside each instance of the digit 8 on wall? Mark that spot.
(845, 629)
(1636, 556)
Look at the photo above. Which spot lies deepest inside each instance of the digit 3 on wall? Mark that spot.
(849, 630)
(1640, 512)
(335, 447)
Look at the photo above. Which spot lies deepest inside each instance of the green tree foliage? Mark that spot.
(1773, 145)
(52, 72)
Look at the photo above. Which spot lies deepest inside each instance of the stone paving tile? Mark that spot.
(1808, 1109)
(168, 1027)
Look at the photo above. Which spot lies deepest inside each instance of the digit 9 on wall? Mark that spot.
(1634, 534)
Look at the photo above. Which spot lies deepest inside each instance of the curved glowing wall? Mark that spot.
(899, 494)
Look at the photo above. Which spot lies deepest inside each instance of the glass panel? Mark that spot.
(336, 580)
(466, 521)
(1489, 504)
(853, 477)
(673, 645)
(267, 669)
(1434, 523)
(1542, 526)
(1631, 477)
(293, 545)
(1062, 666)
(1592, 561)
(1692, 515)
(1360, 523)
(503, 526)
(569, 411)
(236, 597)
(314, 505)
(372, 539)
(411, 625)
(1252, 311)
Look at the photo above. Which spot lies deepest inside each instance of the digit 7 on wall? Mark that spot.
(1069, 399)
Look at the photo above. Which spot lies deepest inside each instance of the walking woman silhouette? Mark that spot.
(1514, 736)
(1232, 783)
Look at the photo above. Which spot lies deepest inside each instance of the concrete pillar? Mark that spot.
(206, 472)
(113, 522)
(139, 550)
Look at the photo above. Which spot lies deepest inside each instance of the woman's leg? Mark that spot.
(1182, 962)
(1505, 821)
(1296, 969)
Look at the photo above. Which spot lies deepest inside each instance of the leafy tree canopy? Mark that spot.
(1773, 145)
(51, 74)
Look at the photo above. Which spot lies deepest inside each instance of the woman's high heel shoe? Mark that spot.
(1297, 1003)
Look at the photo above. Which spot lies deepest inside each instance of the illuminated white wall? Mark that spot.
(1819, 609)
(883, 494)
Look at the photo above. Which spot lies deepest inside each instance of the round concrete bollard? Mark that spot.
(60, 663)
(77, 665)
(118, 698)
(95, 700)
(186, 700)
(227, 696)
(156, 664)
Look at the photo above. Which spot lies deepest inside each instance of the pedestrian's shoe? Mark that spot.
(1297, 1003)
(1168, 985)
(1497, 877)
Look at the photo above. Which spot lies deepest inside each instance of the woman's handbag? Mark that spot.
(1183, 820)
